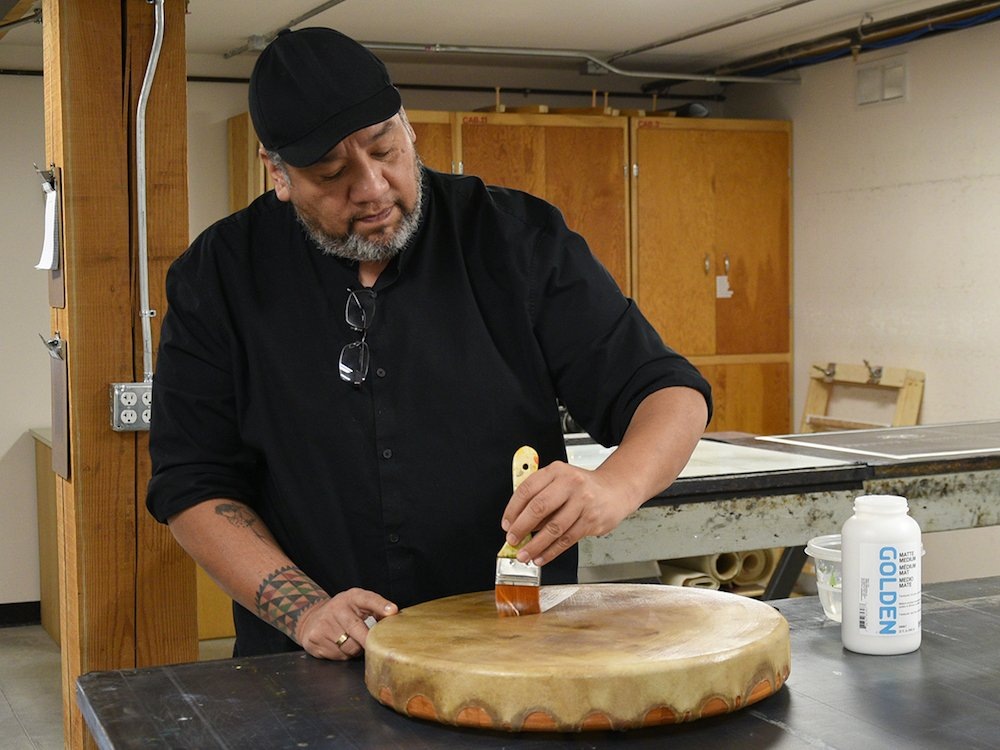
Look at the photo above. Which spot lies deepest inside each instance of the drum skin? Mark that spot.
(598, 657)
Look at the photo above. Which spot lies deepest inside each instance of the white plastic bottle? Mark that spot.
(880, 577)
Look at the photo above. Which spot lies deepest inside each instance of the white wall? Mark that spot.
(24, 313)
(897, 236)
(896, 228)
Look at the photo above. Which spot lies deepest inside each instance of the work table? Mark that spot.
(744, 492)
(946, 694)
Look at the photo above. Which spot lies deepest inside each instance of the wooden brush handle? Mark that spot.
(525, 464)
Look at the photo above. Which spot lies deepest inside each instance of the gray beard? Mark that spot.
(354, 247)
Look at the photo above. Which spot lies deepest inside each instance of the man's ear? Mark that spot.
(278, 176)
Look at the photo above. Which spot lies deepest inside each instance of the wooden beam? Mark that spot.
(127, 592)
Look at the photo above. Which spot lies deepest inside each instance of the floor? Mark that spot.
(31, 687)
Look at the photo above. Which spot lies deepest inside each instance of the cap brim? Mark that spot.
(311, 148)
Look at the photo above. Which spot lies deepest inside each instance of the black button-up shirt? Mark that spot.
(493, 311)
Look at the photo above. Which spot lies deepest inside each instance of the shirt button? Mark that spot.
(393, 538)
(387, 453)
(380, 372)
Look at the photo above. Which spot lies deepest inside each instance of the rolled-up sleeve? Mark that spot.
(195, 444)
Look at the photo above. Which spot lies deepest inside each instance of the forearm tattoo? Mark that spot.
(285, 595)
(241, 516)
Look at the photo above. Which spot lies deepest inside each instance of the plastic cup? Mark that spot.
(825, 552)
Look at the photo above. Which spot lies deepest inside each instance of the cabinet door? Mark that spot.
(751, 233)
(576, 163)
(674, 195)
(434, 138)
(711, 221)
(750, 397)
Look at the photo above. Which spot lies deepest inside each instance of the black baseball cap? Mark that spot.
(312, 88)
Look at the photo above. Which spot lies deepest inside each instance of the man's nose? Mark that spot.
(370, 184)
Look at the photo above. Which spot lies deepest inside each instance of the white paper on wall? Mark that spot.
(49, 260)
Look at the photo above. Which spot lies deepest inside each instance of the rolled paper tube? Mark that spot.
(757, 566)
(773, 558)
(723, 566)
(752, 564)
(675, 576)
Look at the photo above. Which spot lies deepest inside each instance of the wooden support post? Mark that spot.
(127, 592)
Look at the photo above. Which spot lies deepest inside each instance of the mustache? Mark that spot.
(359, 217)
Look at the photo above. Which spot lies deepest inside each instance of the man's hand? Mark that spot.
(234, 546)
(320, 630)
(562, 504)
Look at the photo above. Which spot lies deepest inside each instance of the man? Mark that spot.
(348, 365)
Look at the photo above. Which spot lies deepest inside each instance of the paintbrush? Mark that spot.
(517, 582)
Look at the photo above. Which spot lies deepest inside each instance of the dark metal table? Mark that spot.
(946, 695)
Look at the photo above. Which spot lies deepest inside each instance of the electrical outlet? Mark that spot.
(131, 404)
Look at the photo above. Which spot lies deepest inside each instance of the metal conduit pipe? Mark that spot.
(258, 42)
(145, 313)
(856, 39)
(570, 54)
(708, 29)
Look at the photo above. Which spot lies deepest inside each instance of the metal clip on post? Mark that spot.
(55, 346)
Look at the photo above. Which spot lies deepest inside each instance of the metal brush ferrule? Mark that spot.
(514, 573)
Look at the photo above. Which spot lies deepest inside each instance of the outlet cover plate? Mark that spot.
(131, 404)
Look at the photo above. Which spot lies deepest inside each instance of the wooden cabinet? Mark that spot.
(697, 231)
(750, 396)
(578, 163)
(435, 142)
(712, 269)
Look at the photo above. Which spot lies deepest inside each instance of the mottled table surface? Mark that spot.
(945, 695)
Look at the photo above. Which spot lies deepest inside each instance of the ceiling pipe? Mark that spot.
(574, 55)
(853, 40)
(257, 42)
(708, 29)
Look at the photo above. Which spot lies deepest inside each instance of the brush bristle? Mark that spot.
(514, 601)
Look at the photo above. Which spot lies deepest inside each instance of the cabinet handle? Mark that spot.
(725, 264)
(708, 264)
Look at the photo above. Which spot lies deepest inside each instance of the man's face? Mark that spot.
(361, 200)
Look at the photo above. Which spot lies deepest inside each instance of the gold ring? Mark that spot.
(343, 639)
